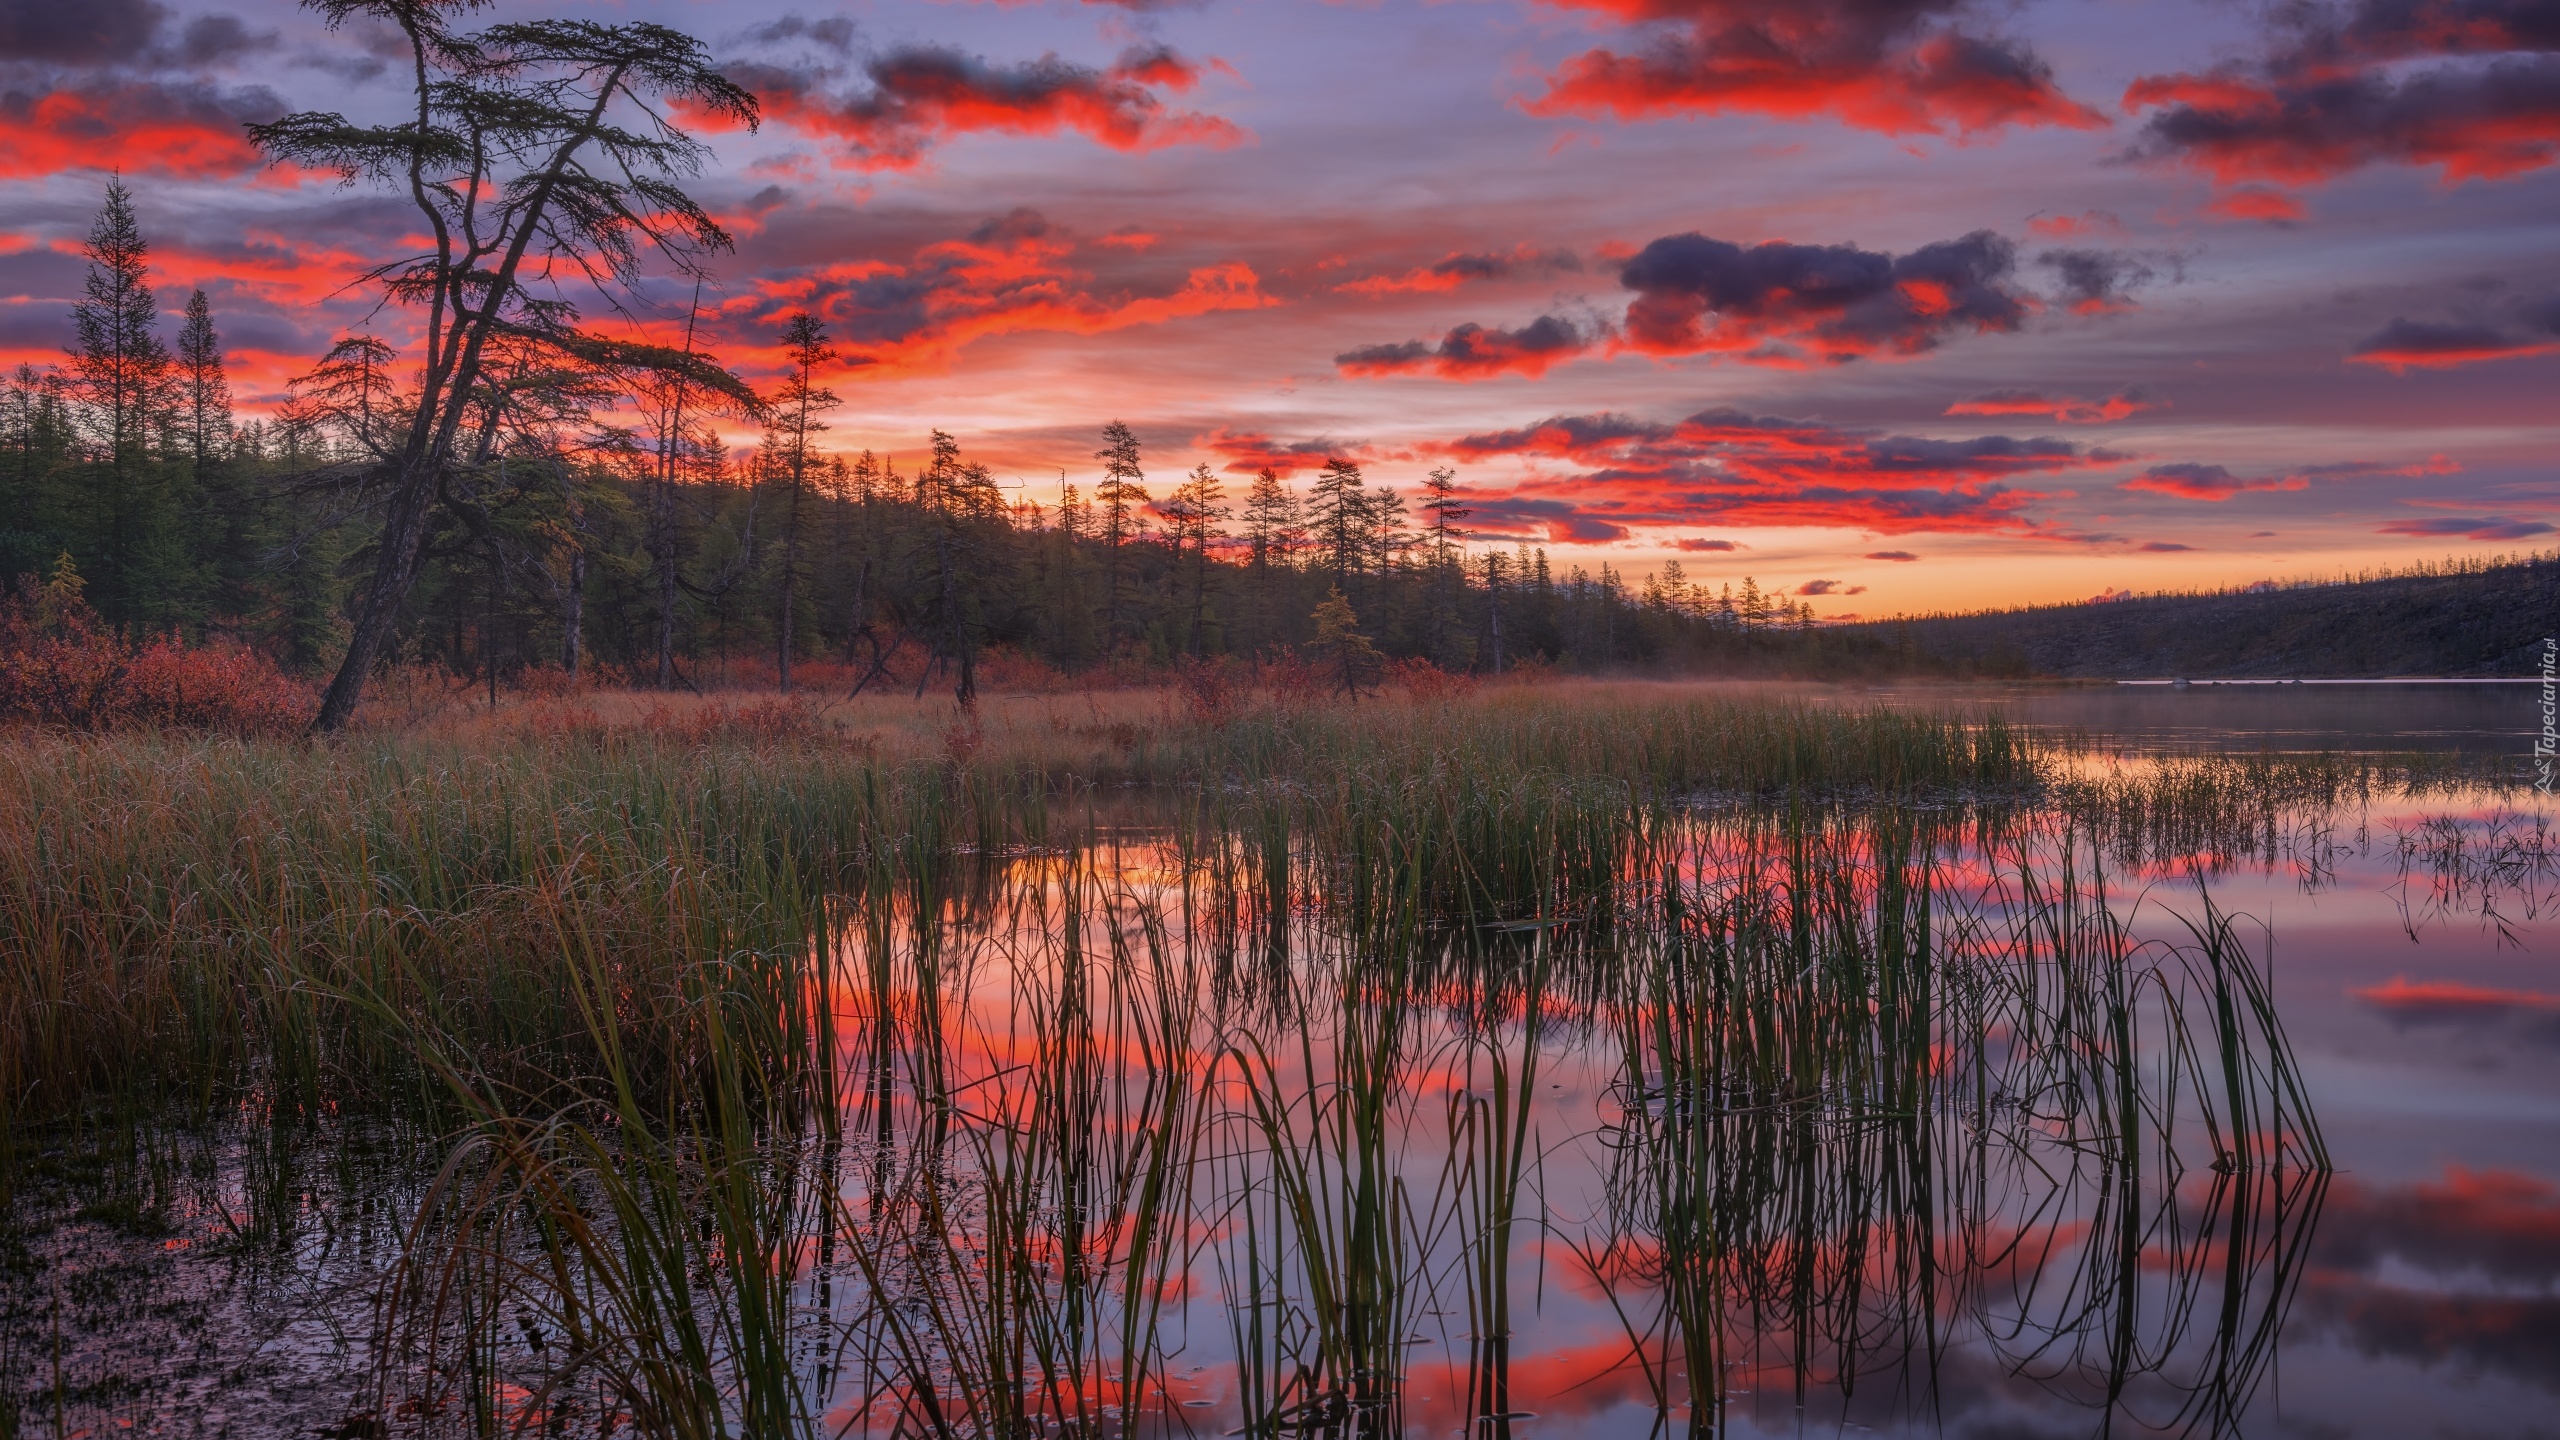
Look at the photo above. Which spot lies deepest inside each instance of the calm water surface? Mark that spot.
(2413, 1292)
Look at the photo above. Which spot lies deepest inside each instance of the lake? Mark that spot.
(2215, 1090)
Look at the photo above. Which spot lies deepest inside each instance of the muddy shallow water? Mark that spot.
(1918, 1244)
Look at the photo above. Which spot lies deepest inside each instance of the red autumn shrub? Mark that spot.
(216, 686)
(1425, 681)
(1294, 679)
(59, 667)
(777, 718)
(1208, 691)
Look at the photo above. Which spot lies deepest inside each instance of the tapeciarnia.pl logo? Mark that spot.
(2546, 746)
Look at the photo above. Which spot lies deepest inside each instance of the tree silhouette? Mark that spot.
(1119, 495)
(533, 153)
(121, 370)
(1340, 517)
(1347, 653)
(804, 340)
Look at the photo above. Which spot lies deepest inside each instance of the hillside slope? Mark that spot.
(2488, 620)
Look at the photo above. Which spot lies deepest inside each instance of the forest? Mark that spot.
(601, 528)
(2464, 616)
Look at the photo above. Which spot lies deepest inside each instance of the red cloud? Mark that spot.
(2253, 202)
(2068, 408)
(2212, 482)
(1780, 304)
(1785, 304)
(1249, 451)
(1725, 467)
(2337, 91)
(1009, 276)
(1450, 272)
(2405, 345)
(187, 130)
(2206, 482)
(2075, 227)
(922, 95)
(1896, 69)
(2476, 527)
(1473, 352)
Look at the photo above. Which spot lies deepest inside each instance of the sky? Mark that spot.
(1900, 305)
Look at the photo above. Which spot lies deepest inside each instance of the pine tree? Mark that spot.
(1347, 652)
(1447, 580)
(1119, 495)
(37, 435)
(227, 524)
(1270, 520)
(1198, 507)
(804, 339)
(122, 372)
(1390, 537)
(1445, 511)
(204, 389)
(1341, 515)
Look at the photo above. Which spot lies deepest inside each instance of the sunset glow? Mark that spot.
(1936, 305)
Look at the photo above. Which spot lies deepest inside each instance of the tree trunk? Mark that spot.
(667, 596)
(790, 575)
(404, 539)
(573, 612)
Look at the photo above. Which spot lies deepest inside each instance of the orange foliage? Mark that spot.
(59, 667)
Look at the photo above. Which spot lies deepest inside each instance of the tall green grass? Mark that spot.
(239, 916)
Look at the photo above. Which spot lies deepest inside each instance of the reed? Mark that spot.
(780, 1085)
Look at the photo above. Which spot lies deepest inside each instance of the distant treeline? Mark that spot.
(594, 523)
(650, 552)
(2460, 617)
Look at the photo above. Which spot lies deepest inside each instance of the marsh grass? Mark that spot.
(248, 917)
(797, 1083)
(1857, 1078)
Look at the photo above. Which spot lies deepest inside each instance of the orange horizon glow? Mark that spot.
(1934, 299)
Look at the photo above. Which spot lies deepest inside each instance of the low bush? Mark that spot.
(61, 668)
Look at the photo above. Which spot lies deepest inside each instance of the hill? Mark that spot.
(2485, 618)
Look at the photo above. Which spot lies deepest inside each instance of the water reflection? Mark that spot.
(1937, 1121)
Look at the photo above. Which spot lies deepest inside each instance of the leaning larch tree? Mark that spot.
(544, 160)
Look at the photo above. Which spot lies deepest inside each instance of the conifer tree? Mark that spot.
(1340, 517)
(227, 520)
(122, 371)
(1447, 580)
(516, 153)
(36, 432)
(804, 339)
(1198, 509)
(204, 388)
(1122, 490)
(1347, 653)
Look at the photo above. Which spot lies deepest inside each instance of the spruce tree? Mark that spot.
(37, 435)
(1119, 494)
(204, 388)
(122, 372)
(804, 339)
(1341, 516)
(1345, 651)
(226, 520)
(1198, 509)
